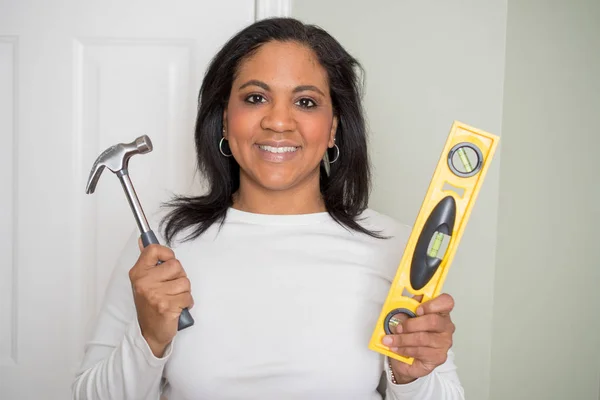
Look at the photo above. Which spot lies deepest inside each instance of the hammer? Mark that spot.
(116, 159)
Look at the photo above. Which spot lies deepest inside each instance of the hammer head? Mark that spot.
(116, 158)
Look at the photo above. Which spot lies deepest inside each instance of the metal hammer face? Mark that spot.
(116, 159)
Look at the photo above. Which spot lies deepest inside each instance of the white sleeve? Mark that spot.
(441, 384)
(118, 363)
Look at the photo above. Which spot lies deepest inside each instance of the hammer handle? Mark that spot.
(185, 319)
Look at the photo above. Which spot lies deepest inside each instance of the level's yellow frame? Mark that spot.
(459, 133)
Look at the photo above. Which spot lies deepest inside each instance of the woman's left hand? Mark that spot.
(426, 337)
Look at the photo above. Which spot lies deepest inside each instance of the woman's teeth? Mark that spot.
(278, 149)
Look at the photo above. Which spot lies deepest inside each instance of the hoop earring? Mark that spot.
(221, 148)
(337, 154)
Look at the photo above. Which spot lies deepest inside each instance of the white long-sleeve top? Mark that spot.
(284, 309)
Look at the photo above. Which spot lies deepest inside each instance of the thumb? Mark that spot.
(140, 244)
(442, 304)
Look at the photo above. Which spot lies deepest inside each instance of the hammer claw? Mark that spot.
(94, 177)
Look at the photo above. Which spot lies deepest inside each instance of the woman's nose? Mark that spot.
(279, 118)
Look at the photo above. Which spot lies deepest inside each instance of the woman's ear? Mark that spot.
(334, 126)
(225, 123)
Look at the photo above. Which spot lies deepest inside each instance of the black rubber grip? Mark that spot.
(441, 220)
(185, 318)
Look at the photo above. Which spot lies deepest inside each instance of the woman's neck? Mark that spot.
(304, 198)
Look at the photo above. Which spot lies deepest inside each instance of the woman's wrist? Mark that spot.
(158, 349)
(398, 379)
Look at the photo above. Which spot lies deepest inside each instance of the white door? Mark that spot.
(75, 78)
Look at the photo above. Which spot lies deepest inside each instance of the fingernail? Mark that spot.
(387, 340)
(420, 311)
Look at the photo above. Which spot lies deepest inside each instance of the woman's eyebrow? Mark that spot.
(254, 82)
(304, 88)
(297, 89)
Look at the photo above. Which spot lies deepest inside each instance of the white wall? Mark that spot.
(427, 64)
(547, 309)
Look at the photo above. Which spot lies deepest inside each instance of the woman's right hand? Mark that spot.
(160, 293)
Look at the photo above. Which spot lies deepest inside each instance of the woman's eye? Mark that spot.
(306, 103)
(255, 98)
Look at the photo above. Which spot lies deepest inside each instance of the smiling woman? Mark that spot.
(279, 83)
(280, 250)
(279, 122)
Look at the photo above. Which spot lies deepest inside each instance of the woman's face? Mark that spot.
(279, 119)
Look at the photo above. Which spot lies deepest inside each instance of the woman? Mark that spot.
(287, 266)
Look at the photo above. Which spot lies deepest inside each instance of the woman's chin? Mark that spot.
(278, 181)
(277, 185)
(282, 179)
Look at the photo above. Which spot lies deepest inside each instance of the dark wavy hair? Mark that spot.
(346, 186)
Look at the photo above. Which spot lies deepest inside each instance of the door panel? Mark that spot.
(118, 104)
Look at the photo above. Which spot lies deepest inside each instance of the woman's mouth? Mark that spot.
(272, 149)
(277, 154)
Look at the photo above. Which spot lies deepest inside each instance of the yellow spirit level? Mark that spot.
(438, 228)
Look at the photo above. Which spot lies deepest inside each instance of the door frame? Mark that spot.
(272, 8)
